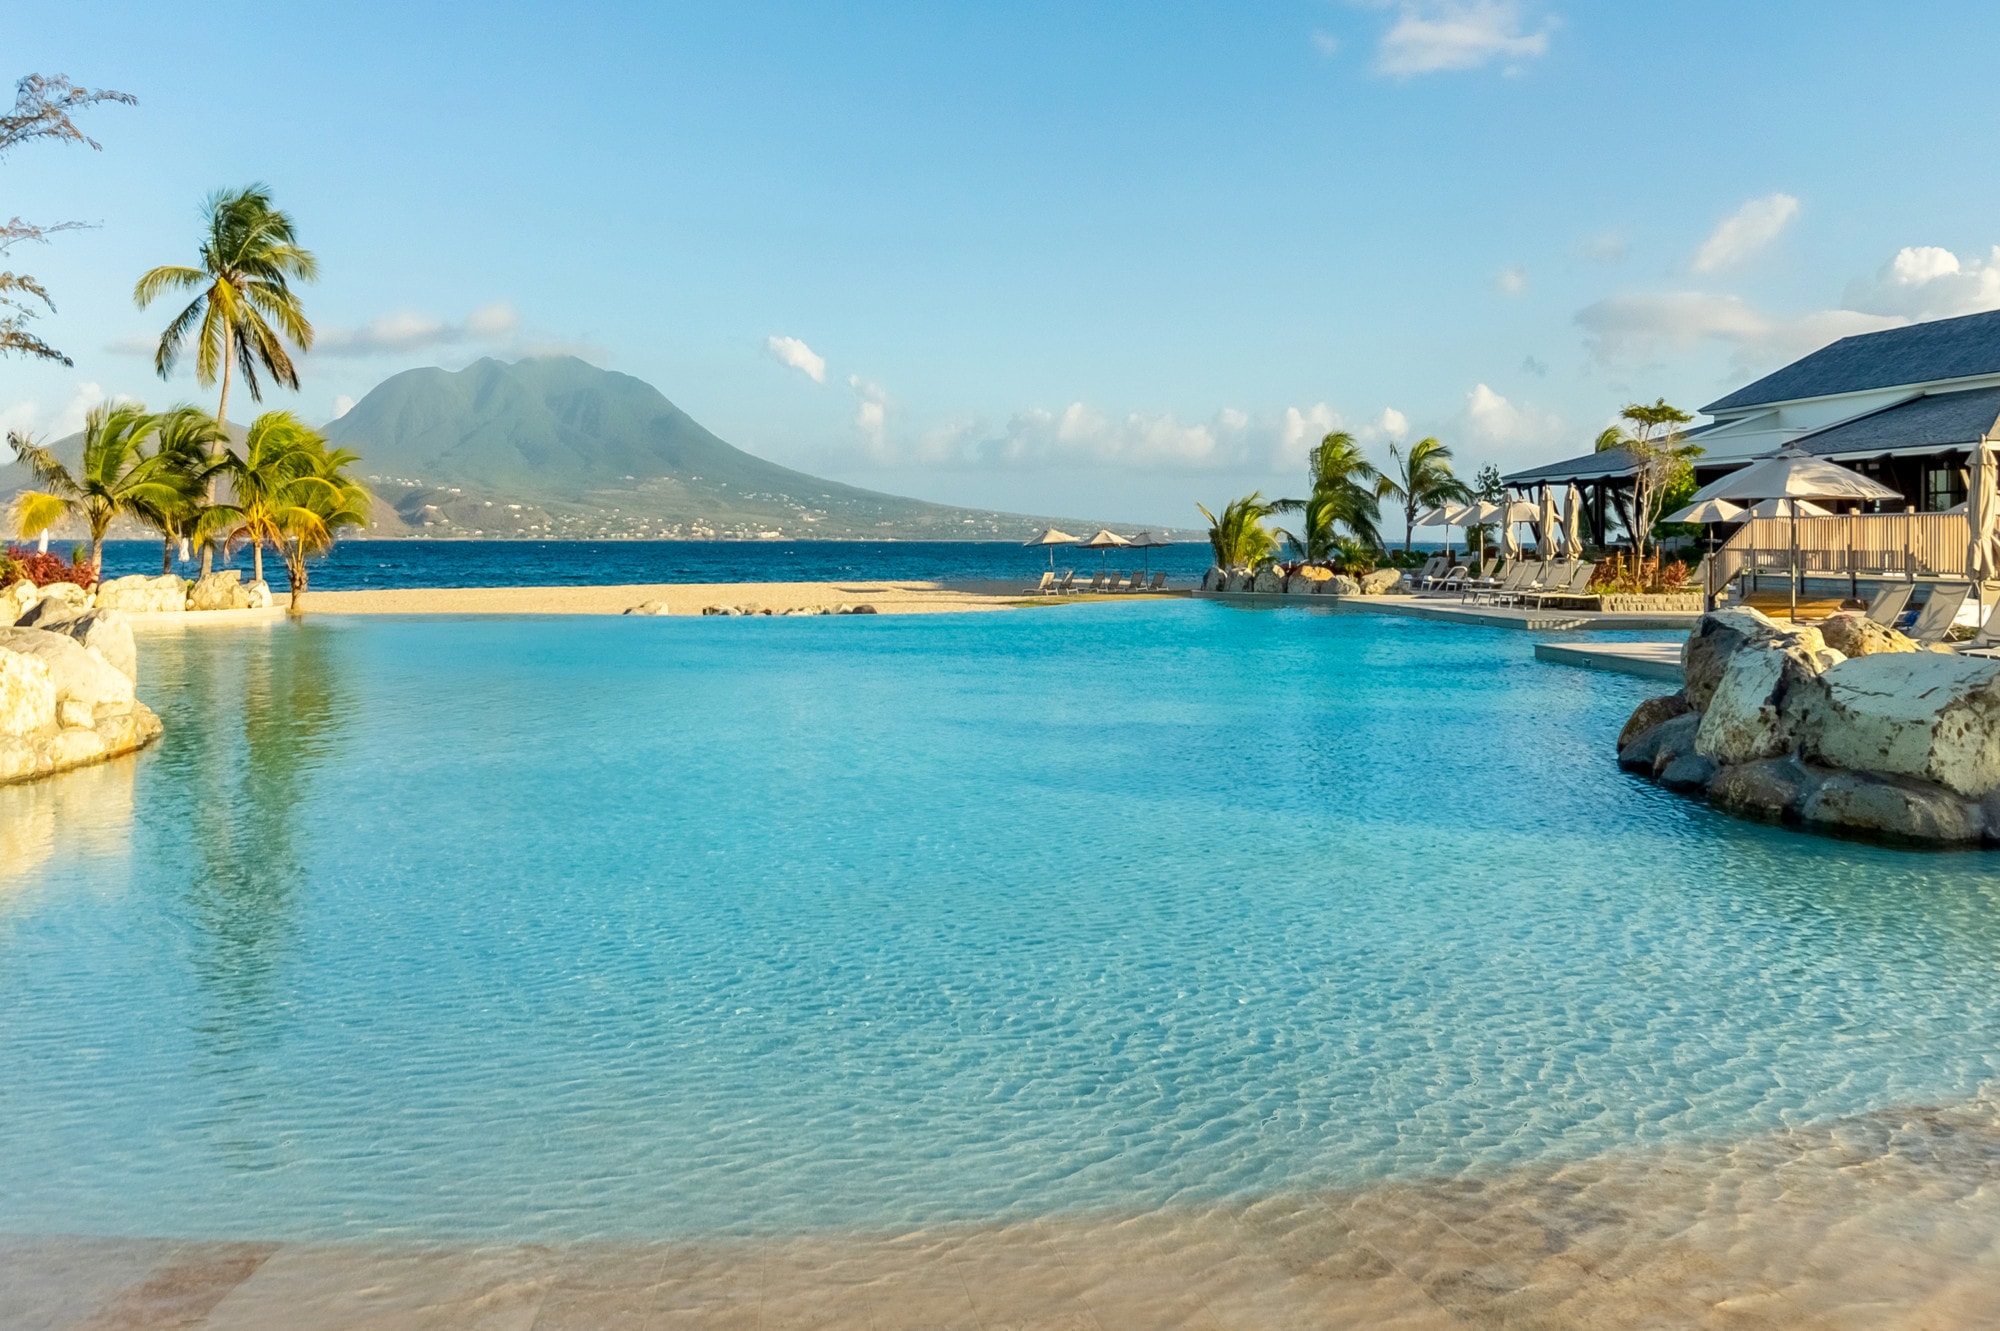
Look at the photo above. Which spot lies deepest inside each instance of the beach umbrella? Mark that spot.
(1513, 513)
(1708, 513)
(1106, 541)
(1441, 516)
(1982, 509)
(1793, 473)
(1545, 525)
(1146, 542)
(1478, 513)
(1573, 524)
(1051, 537)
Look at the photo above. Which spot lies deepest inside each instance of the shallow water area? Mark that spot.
(720, 936)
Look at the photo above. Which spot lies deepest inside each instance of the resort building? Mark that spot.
(1904, 407)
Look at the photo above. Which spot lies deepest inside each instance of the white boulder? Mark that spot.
(27, 695)
(1745, 719)
(257, 594)
(80, 676)
(220, 590)
(15, 598)
(1267, 580)
(104, 632)
(1381, 582)
(141, 595)
(1917, 714)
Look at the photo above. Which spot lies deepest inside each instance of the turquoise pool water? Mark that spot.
(584, 928)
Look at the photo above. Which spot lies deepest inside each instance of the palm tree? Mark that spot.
(249, 259)
(316, 506)
(1349, 490)
(277, 450)
(1239, 537)
(1424, 479)
(189, 439)
(117, 477)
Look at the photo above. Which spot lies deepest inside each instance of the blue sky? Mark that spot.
(1102, 258)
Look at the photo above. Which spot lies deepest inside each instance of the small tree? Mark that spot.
(117, 478)
(314, 508)
(42, 107)
(1239, 537)
(1662, 462)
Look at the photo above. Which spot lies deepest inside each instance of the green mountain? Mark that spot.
(557, 447)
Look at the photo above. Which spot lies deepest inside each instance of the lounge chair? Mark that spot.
(1889, 603)
(1453, 577)
(1986, 642)
(1046, 587)
(1066, 584)
(1939, 613)
(1549, 578)
(1513, 580)
(1159, 583)
(1579, 579)
(1097, 582)
(1434, 568)
(1467, 578)
(1487, 577)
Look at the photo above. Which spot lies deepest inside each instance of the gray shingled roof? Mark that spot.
(1589, 467)
(1919, 354)
(1934, 420)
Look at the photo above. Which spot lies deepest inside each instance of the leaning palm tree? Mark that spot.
(1239, 537)
(278, 449)
(244, 311)
(1423, 479)
(189, 440)
(316, 506)
(117, 477)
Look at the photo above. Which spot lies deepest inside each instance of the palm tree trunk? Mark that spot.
(166, 555)
(257, 560)
(211, 549)
(295, 569)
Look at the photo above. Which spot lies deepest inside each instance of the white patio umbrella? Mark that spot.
(1513, 513)
(1051, 537)
(1478, 513)
(1106, 541)
(1982, 508)
(1441, 516)
(1708, 513)
(1545, 525)
(1787, 508)
(1793, 473)
(1573, 523)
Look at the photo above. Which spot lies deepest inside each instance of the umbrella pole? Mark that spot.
(1795, 562)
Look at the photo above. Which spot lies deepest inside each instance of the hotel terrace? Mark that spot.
(1906, 407)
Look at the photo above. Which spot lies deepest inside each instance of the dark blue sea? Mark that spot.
(357, 565)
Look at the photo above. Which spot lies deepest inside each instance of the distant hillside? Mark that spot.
(558, 447)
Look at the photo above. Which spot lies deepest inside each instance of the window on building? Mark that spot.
(1944, 487)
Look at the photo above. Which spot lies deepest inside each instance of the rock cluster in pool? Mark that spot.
(1307, 581)
(1847, 728)
(67, 673)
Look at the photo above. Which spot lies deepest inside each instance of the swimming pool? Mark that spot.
(606, 928)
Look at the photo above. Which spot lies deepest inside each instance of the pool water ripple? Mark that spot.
(611, 929)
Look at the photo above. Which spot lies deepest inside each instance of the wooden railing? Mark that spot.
(1874, 544)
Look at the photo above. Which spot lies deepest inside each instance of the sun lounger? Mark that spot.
(1097, 582)
(1067, 583)
(1467, 578)
(1159, 583)
(1935, 619)
(1551, 577)
(1889, 603)
(1579, 579)
(1454, 576)
(1487, 578)
(1046, 587)
(1434, 568)
(1513, 580)
(1986, 642)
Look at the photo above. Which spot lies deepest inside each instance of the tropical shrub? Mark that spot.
(1650, 574)
(41, 568)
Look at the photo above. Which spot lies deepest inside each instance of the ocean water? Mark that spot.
(619, 928)
(366, 565)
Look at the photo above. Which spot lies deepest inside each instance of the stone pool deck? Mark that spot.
(1648, 660)
(1885, 1220)
(1450, 610)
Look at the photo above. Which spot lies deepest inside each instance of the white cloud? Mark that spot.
(1492, 419)
(404, 332)
(1512, 281)
(1392, 423)
(28, 418)
(1604, 247)
(1430, 36)
(1637, 326)
(871, 415)
(795, 353)
(1928, 282)
(1744, 232)
(1325, 43)
(341, 406)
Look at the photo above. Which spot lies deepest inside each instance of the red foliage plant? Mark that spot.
(42, 569)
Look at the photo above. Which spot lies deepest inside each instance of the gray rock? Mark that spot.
(220, 590)
(648, 608)
(1381, 581)
(1687, 773)
(1769, 790)
(1267, 580)
(1719, 635)
(1341, 585)
(1855, 635)
(1302, 584)
(1746, 718)
(1651, 713)
(863, 609)
(141, 595)
(1646, 754)
(1215, 580)
(51, 612)
(79, 675)
(1918, 714)
(1893, 807)
(106, 633)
